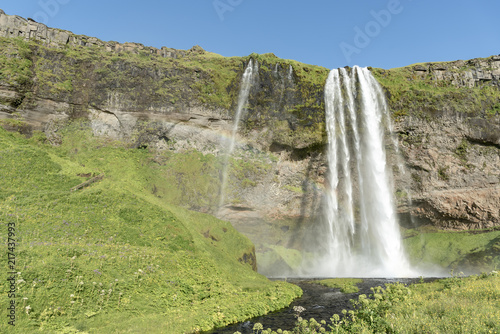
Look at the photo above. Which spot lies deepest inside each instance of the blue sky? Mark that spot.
(330, 33)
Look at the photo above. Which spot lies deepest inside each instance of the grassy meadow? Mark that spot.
(111, 257)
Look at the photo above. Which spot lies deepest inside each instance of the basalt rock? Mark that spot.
(27, 29)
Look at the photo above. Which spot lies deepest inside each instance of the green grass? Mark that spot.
(15, 64)
(468, 251)
(346, 285)
(113, 257)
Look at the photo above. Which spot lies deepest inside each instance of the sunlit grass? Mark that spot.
(473, 251)
(112, 257)
(346, 285)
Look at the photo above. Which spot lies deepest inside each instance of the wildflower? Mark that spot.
(72, 296)
(94, 283)
(27, 309)
(299, 309)
(110, 290)
(81, 283)
(72, 302)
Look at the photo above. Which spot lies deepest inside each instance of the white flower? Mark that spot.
(72, 296)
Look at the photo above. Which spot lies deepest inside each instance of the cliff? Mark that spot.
(448, 125)
(182, 103)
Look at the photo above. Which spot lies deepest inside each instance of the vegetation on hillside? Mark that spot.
(422, 95)
(112, 256)
(346, 285)
(471, 251)
(91, 77)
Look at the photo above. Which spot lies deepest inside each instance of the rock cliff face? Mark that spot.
(15, 26)
(446, 118)
(448, 124)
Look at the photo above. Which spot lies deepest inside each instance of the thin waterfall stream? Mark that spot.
(246, 84)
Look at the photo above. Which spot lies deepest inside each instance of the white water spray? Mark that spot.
(364, 238)
(290, 73)
(246, 83)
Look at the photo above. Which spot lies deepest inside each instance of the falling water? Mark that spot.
(364, 238)
(246, 83)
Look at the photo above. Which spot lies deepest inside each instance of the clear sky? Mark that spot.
(330, 33)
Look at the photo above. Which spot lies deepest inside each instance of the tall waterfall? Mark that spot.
(363, 237)
(246, 83)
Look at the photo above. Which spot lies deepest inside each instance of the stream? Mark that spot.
(320, 303)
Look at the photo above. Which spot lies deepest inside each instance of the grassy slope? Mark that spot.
(112, 257)
(467, 251)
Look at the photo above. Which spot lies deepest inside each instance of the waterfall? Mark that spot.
(251, 70)
(290, 73)
(363, 232)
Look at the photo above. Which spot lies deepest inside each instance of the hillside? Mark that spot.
(113, 256)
